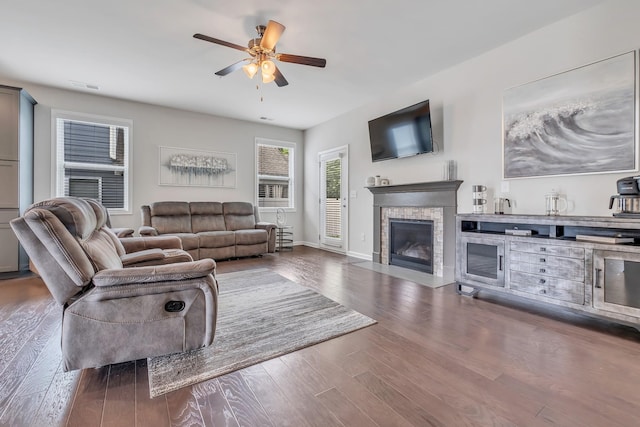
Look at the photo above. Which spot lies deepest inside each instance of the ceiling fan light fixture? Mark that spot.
(250, 69)
(263, 52)
(268, 67)
(267, 78)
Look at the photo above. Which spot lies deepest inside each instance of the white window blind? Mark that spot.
(92, 159)
(275, 172)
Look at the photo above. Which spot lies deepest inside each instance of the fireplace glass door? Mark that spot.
(411, 244)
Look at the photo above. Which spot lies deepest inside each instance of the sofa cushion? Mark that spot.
(170, 217)
(239, 215)
(189, 240)
(76, 215)
(216, 239)
(86, 222)
(218, 253)
(101, 251)
(251, 250)
(251, 237)
(206, 216)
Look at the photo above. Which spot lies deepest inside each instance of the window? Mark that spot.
(92, 158)
(274, 166)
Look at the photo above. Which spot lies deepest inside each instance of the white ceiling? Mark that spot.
(143, 50)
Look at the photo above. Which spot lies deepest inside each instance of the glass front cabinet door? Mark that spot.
(481, 259)
(616, 282)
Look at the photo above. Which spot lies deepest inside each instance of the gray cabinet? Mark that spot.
(551, 265)
(482, 260)
(16, 170)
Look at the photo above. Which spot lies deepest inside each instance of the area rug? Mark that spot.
(261, 315)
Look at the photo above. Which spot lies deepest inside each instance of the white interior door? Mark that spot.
(334, 198)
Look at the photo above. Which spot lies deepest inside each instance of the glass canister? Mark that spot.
(554, 203)
(479, 198)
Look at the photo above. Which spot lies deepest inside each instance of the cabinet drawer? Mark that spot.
(9, 249)
(547, 265)
(9, 123)
(9, 189)
(7, 215)
(551, 287)
(541, 248)
(565, 268)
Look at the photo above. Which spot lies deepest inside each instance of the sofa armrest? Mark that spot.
(266, 226)
(142, 256)
(123, 231)
(135, 244)
(146, 230)
(153, 274)
(271, 232)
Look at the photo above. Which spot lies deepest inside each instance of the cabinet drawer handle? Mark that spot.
(543, 249)
(543, 260)
(543, 270)
(598, 271)
(543, 291)
(542, 282)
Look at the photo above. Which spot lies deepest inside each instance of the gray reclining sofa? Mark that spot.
(218, 230)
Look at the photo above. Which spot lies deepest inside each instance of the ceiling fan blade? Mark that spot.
(271, 35)
(280, 80)
(304, 60)
(220, 42)
(231, 68)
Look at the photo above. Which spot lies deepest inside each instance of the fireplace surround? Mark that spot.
(436, 201)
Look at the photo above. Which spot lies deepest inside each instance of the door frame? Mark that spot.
(343, 153)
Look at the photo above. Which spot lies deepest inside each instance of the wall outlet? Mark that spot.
(504, 187)
(362, 237)
(354, 194)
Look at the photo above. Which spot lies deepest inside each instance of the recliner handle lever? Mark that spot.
(174, 306)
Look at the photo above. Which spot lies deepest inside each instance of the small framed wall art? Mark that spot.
(187, 167)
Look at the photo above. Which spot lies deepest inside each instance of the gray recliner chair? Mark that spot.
(113, 314)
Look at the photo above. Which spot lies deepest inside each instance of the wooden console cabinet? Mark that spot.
(551, 265)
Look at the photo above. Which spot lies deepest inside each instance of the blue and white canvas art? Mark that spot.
(186, 167)
(578, 122)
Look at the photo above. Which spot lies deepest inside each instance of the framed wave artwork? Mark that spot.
(582, 121)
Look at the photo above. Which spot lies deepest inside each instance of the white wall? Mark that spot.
(155, 126)
(466, 103)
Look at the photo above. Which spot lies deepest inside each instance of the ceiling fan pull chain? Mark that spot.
(258, 89)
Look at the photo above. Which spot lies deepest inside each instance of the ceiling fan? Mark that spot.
(263, 51)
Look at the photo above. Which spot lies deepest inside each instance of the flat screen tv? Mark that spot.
(403, 133)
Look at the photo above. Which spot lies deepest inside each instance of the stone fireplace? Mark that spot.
(435, 202)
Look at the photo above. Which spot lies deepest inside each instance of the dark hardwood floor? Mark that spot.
(434, 359)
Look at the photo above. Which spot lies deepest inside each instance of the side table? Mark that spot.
(284, 238)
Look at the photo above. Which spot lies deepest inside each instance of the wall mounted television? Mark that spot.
(403, 133)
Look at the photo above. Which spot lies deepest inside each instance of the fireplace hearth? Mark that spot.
(411, 244)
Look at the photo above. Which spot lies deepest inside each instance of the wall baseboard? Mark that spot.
(360, 256)
(348, 253)
(311, 245)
